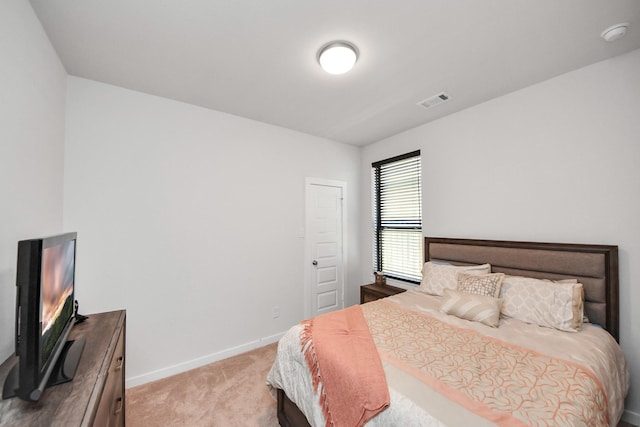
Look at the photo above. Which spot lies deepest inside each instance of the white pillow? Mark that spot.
(437, 277)
(552, 304)
(474, 307)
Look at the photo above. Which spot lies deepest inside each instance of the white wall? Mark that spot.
(557, 162)
(32, 90)
(191, 220)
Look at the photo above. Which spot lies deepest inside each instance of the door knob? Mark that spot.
(314, 262)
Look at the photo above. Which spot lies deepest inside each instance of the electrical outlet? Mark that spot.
(276, 311)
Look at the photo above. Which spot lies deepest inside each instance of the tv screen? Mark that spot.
(45, 280)
(58, 271)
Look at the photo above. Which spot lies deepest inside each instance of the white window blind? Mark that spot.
(397, 216)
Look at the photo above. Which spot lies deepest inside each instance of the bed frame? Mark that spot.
(595, 266)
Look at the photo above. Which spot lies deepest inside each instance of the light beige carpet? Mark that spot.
(231, 392)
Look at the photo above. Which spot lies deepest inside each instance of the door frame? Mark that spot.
(308, 282)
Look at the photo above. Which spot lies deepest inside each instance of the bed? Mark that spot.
(430, 396)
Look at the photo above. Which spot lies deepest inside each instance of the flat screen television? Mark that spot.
(45, 281)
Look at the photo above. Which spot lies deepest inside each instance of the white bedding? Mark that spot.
(415, 404)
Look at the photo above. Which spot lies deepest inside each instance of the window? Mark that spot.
(397, 217)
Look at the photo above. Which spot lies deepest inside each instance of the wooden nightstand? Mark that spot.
(373, 292)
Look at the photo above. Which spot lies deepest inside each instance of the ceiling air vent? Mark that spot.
(434, 100)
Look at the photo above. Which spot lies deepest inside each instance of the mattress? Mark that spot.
(420, 398)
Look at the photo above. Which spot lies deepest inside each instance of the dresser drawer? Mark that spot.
(111, 408)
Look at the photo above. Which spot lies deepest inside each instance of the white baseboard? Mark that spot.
(631, 417)
(201, 361)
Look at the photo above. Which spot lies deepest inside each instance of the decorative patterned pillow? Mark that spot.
(553, 304)
(477, 308)
(437, 277)
(481, 284)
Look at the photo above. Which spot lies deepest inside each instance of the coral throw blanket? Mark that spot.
(345, 367)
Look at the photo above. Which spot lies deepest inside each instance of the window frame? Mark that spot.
(378, 228)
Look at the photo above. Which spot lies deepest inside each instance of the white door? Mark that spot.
(325, 260)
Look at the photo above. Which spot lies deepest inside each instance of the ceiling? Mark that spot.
(257, 58)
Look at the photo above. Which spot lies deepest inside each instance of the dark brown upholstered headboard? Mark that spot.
(595, 266)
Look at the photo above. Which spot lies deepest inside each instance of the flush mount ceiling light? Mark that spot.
(337, 57)
(615, 32)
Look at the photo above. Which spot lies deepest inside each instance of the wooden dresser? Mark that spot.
(95, 397)
(373, 292)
